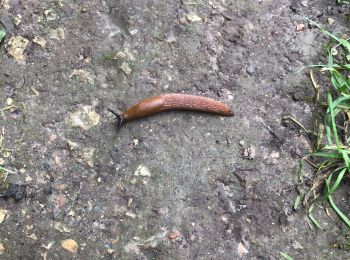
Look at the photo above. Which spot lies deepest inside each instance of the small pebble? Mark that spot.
(33, 236)
(249, 152)
(50, 15)
(299, 27)
(9, 101)
(15, 47)
(85, 117)
(142, 170)
(182, 20)
(70, 245)
(298, 95)
(40, 41)
(330, 20)
(193, 17)
(110, 251)
(297, 246)
(2, 248)
(241, 250)
(57, 34)
(174, 235)
(134, 31)
(250, 69)
(83, 75)
(225, 219)
(3, 214)
(130, 214)
(125, 68)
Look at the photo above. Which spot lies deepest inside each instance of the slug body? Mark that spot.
(156, 104)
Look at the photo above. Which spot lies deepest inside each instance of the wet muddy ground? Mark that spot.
(177, 185)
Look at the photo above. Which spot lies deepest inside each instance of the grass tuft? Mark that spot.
(331, 155)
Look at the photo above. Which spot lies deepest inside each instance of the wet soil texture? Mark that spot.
(176, 185)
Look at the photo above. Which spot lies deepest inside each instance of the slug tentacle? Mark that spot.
(118, 117)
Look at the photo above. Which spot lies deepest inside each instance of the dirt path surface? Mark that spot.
(177, 185)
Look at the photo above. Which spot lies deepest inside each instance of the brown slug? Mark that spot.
(172, 101)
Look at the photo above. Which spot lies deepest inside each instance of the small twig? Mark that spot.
(2, 137)
(298, 124)
(319, 127)
(7, 173)
(311, 163)
(36, 93)
(227, 141)
(6, 170)
(310, 225)
(315, 86)
(9, 107)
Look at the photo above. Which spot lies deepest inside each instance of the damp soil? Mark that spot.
(176, 185)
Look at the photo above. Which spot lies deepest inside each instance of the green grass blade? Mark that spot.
(328, 131)
(312, 218)
(331, 148)
(5, 170)
(286, 256)
(326, 164)
(328, 155)
(328, 128)
(297, 202)
(338, 211)
(334, 127)
(339, 81)
(337, 182)
(343, 42)
(333, 160)
(330, 60)
(343, 102)
(2, 34)
(346, 158)
(300, 169)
